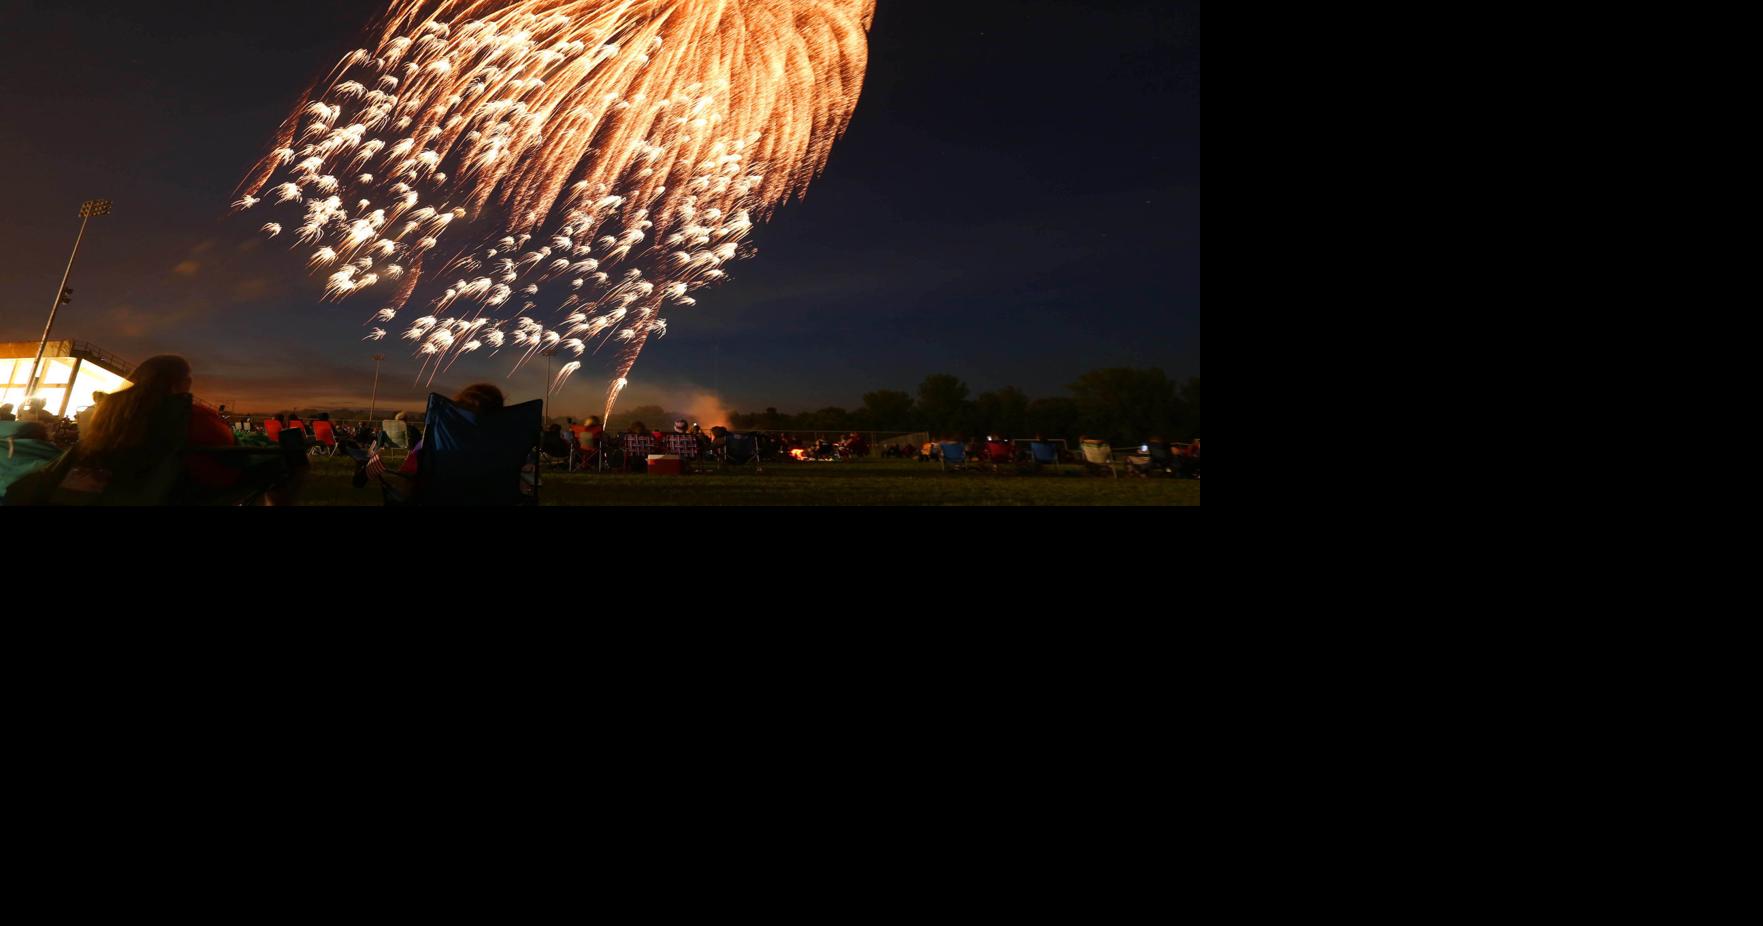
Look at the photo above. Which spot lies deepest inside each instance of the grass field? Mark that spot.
(871, 482)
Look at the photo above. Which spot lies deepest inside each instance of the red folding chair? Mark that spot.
(326, 436)
(999, 455)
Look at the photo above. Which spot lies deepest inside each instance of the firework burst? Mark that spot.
(607, 158)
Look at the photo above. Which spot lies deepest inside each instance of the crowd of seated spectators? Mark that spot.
(115, 424)
(1154, 456)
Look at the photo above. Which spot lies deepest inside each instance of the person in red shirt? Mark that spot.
(590, 438)
(298, 425)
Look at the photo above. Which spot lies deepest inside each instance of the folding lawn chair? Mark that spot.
(635, 449)
(469, 458)
(324, 438)
(1098, 456)
(998, 455)
(684, 446)
(741, 450)
(953, 455)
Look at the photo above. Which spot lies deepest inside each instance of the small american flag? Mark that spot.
(375, 468)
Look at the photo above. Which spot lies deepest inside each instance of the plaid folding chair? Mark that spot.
(636, 447)
(684, 446)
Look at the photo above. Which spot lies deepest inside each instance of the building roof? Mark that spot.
(85, 350)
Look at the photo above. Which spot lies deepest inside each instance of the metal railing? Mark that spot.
(103, 356)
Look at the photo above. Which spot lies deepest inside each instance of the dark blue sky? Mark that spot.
(1017, 202)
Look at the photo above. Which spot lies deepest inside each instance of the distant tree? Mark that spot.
(1190, 409)
(1003, 412)
(768, 420)
(827, 419)
(1123, 405)
(654, 416)
(942, 401)
(1127, 405)
(887, 408)
(1053, 418)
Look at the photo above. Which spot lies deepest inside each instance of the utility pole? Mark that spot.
(373, 403)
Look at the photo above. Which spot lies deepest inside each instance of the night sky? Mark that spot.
(1017, 202)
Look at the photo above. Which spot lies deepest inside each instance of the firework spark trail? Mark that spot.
(618, 150)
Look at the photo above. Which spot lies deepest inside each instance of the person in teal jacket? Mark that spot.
(24, 449)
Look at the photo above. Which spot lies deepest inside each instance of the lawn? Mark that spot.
(871, 482)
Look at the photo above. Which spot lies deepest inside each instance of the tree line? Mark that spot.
(1121, 404)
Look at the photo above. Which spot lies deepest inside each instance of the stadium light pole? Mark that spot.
(373, 403)
(548, 355)
(88, 209)
(546, 413)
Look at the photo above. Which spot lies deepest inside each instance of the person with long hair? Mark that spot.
(122, 423)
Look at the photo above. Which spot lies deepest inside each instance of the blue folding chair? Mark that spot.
(479, 459)
(1044, 453)
(740, 450)
(953, 456)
